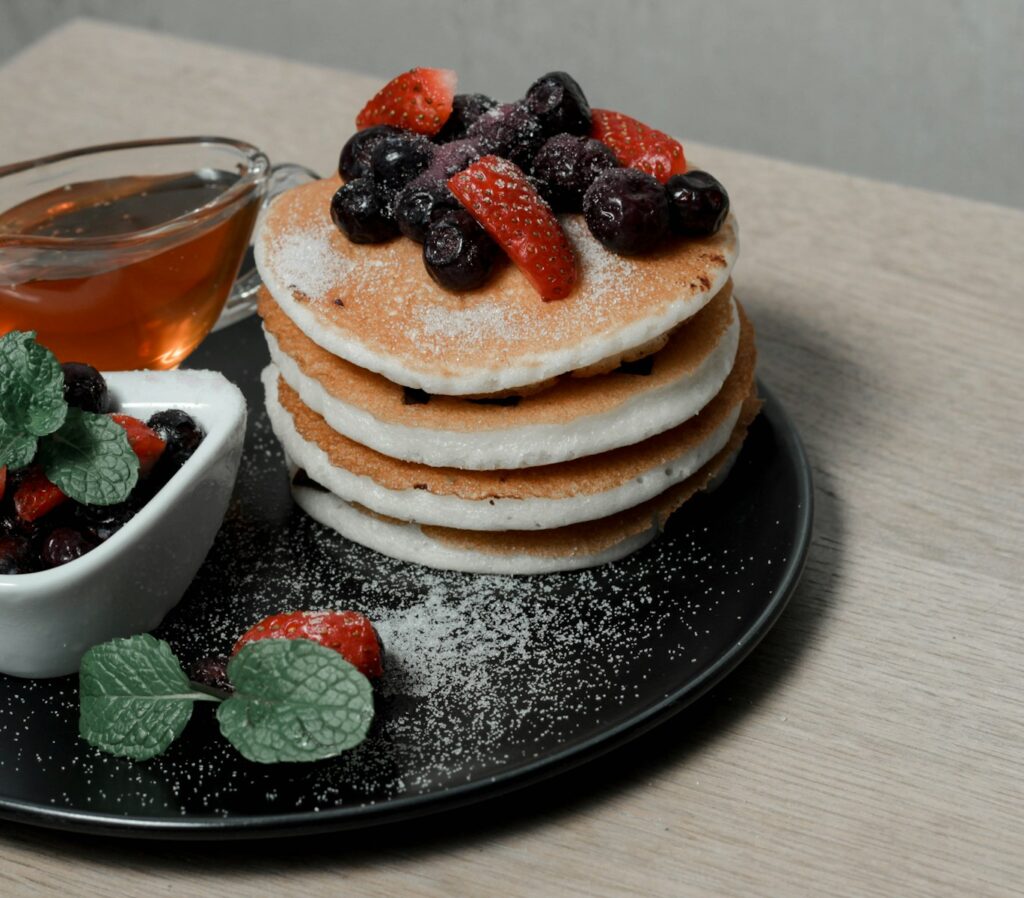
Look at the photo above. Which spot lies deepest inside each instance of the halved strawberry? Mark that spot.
(499, 196)
(36, 495)
(143, 440)
(637, 145)
(349, 633)
(420, 100)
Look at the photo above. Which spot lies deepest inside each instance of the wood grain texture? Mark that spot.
(873, 745)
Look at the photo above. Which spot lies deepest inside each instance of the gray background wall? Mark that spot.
(923, 92)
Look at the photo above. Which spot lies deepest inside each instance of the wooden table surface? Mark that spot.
(874, 743)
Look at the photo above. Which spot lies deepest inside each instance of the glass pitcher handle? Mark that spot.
(241, 302)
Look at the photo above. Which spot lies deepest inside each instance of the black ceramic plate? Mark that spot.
(492, 683)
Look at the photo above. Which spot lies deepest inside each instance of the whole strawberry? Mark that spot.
(349, 633)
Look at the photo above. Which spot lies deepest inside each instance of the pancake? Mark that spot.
(576, 417)
(531, 552)
(376, 306)
(540, 497)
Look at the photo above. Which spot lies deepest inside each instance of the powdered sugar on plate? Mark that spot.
(484, 675)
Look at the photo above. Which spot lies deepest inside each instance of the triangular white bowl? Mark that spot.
(127, 584)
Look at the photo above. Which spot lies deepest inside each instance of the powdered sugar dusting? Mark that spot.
(306, 261)
(603, 274)
(487, 321)
(483, 674)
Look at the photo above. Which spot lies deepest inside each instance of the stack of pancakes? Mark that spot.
(490, 431)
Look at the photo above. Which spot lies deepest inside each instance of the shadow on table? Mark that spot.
(691, 732)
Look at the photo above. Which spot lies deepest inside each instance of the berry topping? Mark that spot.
(500, 197)
(64, 544)
(558, 102)
(458, 253)
(347, 632)
(697, 204)
(567, 166)
(143, 440)
(419, 100)
(453, 157)
(15, 555)
(212, 671)
(399, 158)
(361, 212)
(638, 145)
(510, 131)
(36, 496)
(3, 481)
(466, 109)
(180, 432)
(626, 210)
(355, 155)
(84, 387)
(102, 521)
(420, 204)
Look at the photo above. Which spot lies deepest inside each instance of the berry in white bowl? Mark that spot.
(128, 582)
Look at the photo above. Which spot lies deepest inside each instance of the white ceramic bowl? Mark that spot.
(127, 584)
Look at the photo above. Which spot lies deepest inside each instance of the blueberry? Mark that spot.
(180, 432)
(84, 387)
(361, 212)
(568, 165)
(100, 522)
(418, 205)
(626, 210)
(543, 188)
(510, 131)
(64, 544)
(397, 159)
(558, 102)
(454, 157)
(466, 109)
(697, 204)
(15, 555)
(355, 155)
(458, 253)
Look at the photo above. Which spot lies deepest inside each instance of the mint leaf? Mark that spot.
(134, 698)
(294, 700)
(31, 394)
(16, 447)
(90, 459)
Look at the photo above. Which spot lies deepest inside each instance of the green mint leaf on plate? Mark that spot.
(90, 459)
(31, 395)
(294, 700)
(17, 448)
(134, 697)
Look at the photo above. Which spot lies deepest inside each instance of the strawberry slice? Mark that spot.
(420, 100)
(36, 495)
(349, 633)
(637, 145)
(143, 440)
(499, 196)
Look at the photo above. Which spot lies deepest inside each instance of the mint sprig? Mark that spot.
(294, 700)
(32, 401)
(87, 455)
(90, 459)
(134, 697)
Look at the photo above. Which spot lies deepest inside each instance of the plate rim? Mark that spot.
(299, 823)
